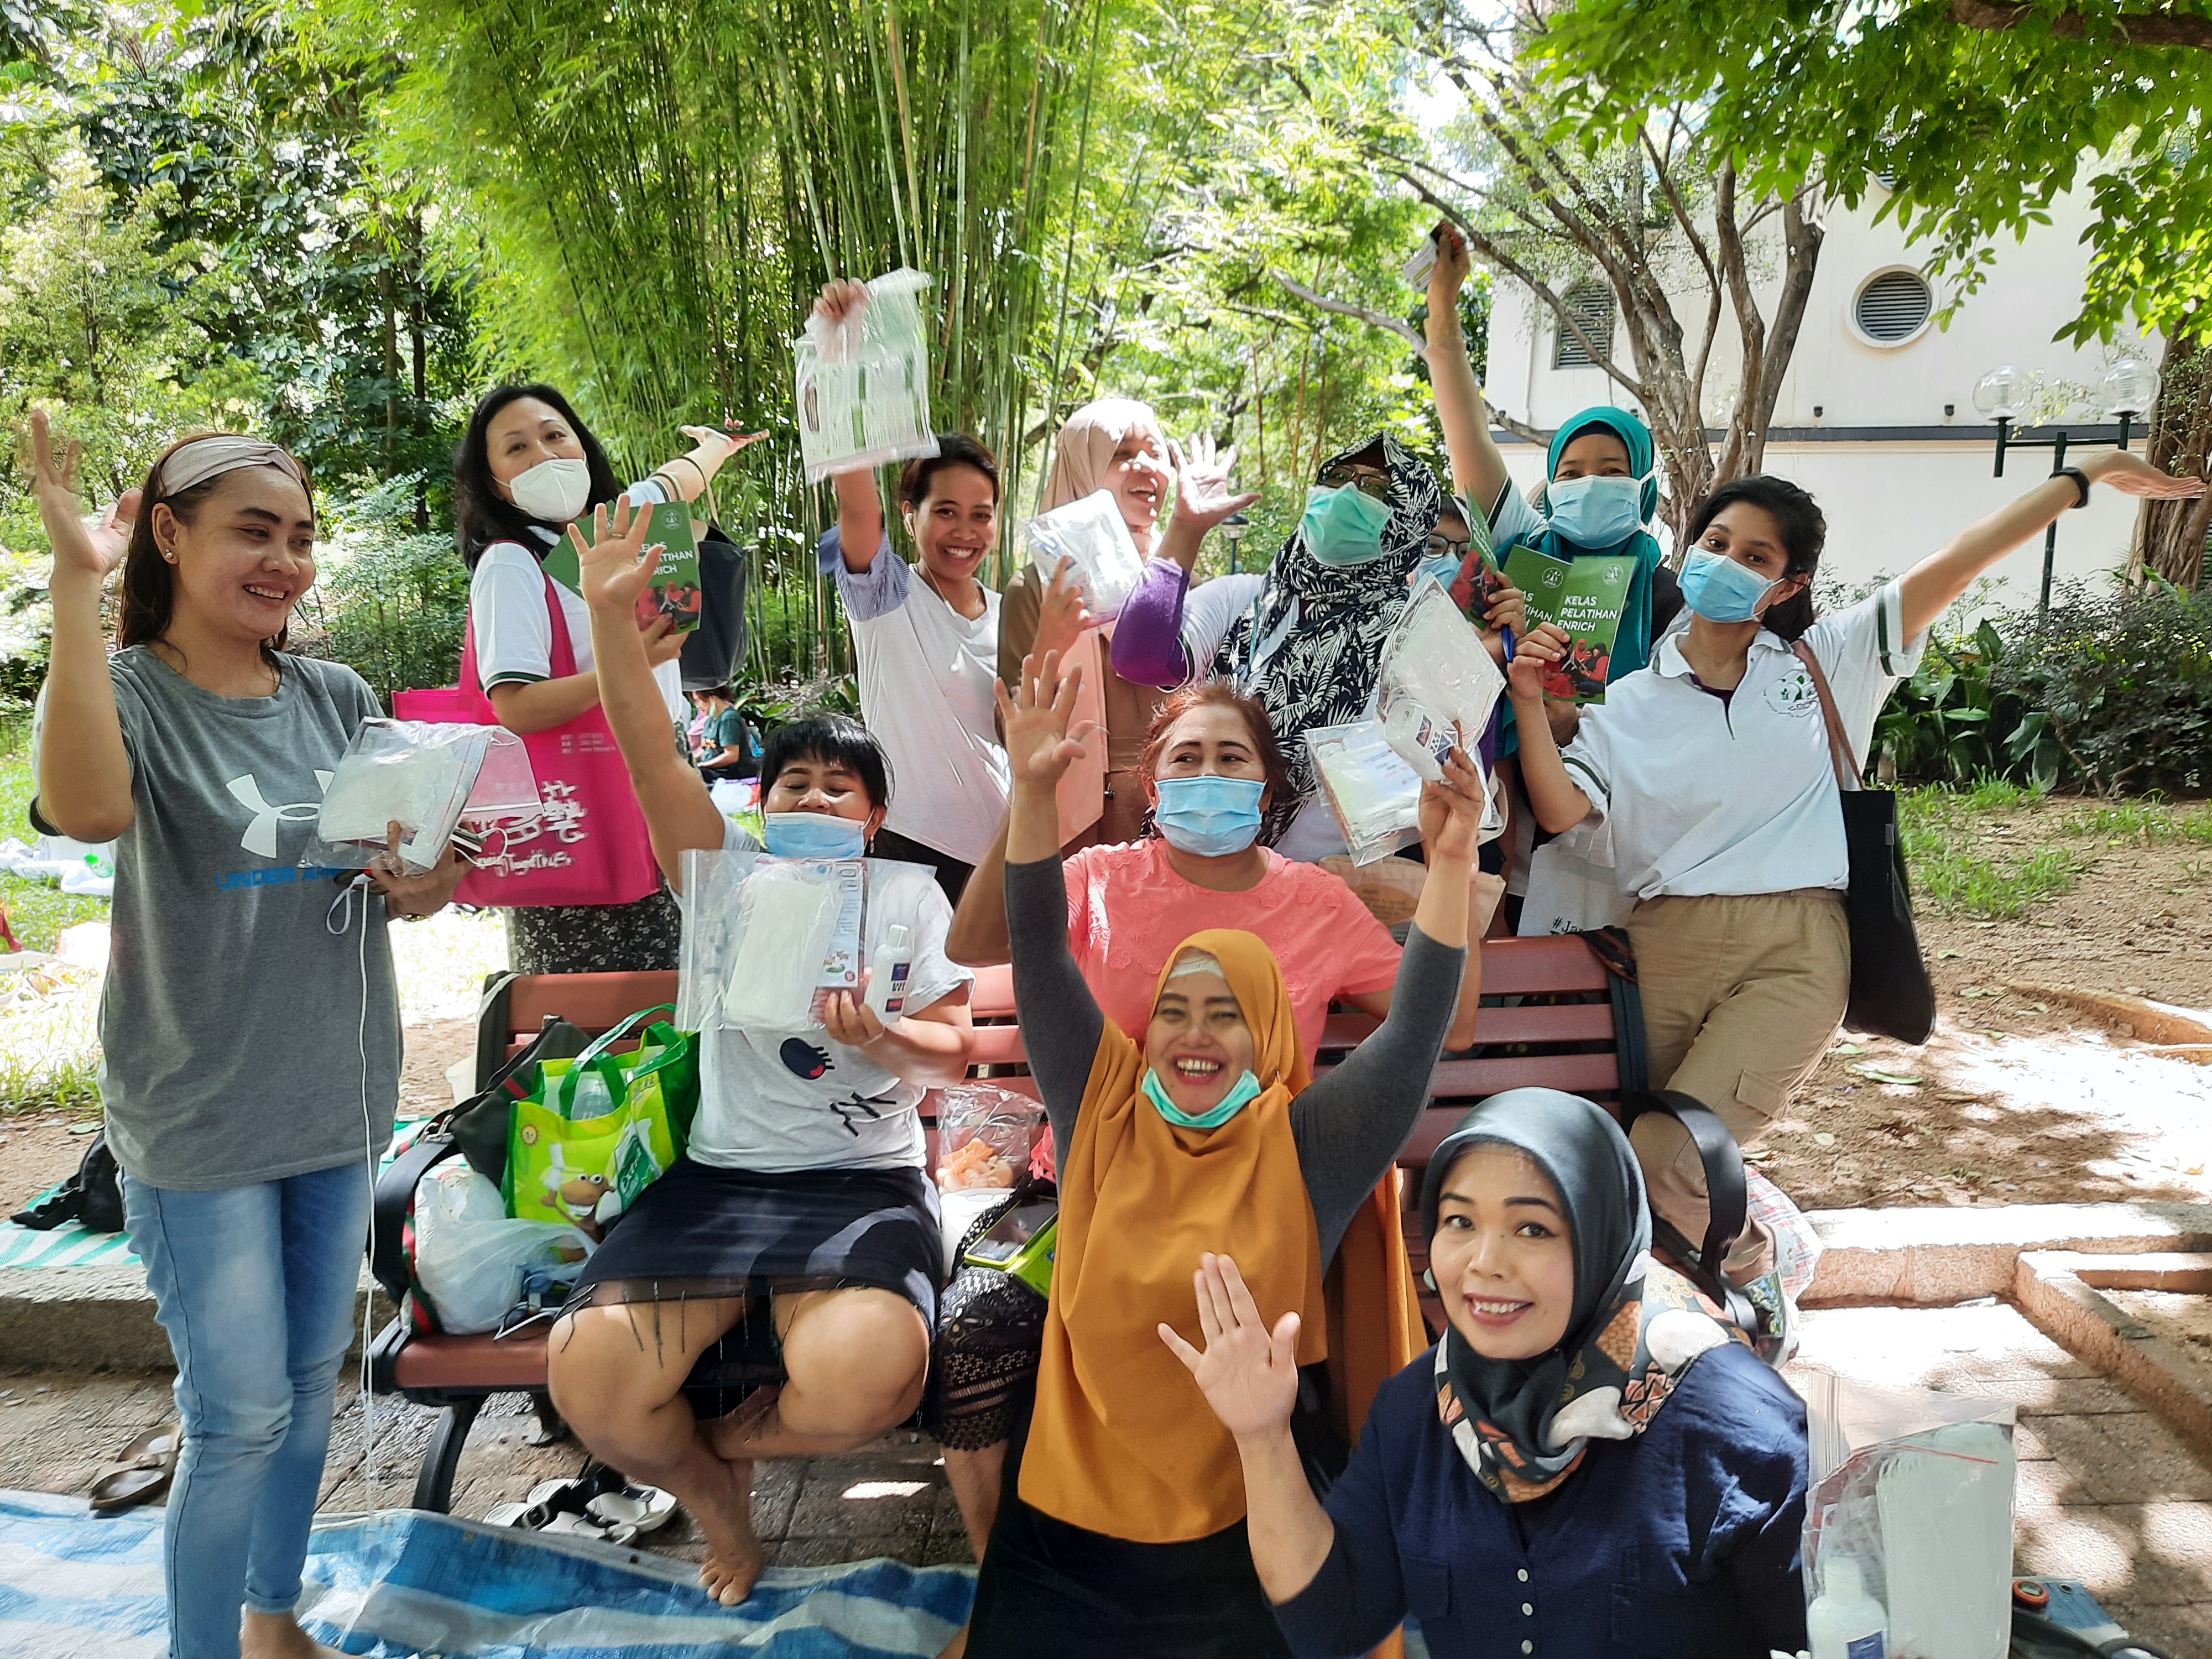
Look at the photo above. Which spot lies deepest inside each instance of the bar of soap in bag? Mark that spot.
(1092, 533)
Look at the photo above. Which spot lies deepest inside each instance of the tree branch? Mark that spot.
(1343, 309)
(2135, 28)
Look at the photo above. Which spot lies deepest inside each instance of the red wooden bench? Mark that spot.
(1570, 1025)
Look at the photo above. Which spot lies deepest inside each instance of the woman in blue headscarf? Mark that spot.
(1599, 491)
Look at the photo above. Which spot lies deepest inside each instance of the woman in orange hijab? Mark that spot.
(1127, 1534)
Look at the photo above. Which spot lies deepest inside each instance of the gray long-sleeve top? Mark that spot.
(1348, 1127)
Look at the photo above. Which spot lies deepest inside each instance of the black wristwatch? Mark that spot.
(2080, 483)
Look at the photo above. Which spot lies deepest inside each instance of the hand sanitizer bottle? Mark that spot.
(1843, 1621)
(887, 973)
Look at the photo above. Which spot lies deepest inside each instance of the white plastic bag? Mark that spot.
(1570, 894)
(471, 1256)
(1916, 1488)
(425, 776)
(1436, 686)
(1092, 533)
(1375, 795)
(863, 383)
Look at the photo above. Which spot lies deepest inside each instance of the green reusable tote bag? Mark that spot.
(599, 1129)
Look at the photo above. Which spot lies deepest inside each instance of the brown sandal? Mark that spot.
(143, 1472)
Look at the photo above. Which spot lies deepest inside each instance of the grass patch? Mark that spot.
(2145, 820)
(50, 1043)
(1955, 868)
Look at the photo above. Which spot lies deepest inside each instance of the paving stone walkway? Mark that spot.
(2107, 1493)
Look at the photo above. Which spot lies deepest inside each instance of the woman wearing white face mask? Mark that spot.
(1705, 782)
(527, 468)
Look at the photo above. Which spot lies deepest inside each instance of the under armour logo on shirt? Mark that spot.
(260, 836)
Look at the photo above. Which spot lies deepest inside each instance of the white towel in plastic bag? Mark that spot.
(1092, 532)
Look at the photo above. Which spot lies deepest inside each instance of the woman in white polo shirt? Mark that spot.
(1704, 781)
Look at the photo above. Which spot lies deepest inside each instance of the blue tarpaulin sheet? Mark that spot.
(73, 1586)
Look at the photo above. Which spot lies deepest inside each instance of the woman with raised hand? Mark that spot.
(527, 468)
(927, 637)
(1590, 1461)
(1113, 444)
(1209, 772)
(247, 1140)
(1306, 638)
(802, 1196)
(1709, 785)
(1125, 1534)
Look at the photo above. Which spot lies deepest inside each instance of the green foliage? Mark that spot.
(389, 601)
(2113, 693)
(1980, 129)
(1956, 867)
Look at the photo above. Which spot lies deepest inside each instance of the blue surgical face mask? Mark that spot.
(1209, 816)
(814, 836)
(1245, 1092)
(1445, 567)
(1343, 527)
(1596, 512)
(1720, 589)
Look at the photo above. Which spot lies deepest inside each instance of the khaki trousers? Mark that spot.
(1742, 995)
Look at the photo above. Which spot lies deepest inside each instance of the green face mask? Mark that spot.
(1343, 527)
(1246, 1092)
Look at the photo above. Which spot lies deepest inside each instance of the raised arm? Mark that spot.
(688, 475)
(83, 770)
(1931, 587)
(978, 939)
(860, 503)
(1061, 1022)
(1332, 1573)
(678, 813)
(1202, 499)
(1351, 1123)
(1477, 467)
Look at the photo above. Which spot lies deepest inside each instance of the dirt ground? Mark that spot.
(2019, 1100)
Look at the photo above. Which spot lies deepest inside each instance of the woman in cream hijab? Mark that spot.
(1113, 444)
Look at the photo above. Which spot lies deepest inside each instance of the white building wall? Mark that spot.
(1884, 436)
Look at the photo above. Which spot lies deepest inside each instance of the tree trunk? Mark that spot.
(2170, 536)
(391, 371)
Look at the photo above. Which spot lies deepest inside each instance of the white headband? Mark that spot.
(1196, 962)
(198, 459)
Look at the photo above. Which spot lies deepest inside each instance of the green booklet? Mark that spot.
(674, 590)
(1585, 598)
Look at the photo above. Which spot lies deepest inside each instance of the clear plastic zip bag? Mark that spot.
(1092, 533)
(428, 778)
(1914, 1489)
(863, 382)
(1436, 686)
(1375, 795)
(768, 941)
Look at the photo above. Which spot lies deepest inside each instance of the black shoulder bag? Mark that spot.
(1891, 995)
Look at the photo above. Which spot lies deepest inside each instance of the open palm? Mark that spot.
(94, 546)
(2132, 475)
(617, 564)
(1249, 1375)
(1036, 719)
(1202, 493)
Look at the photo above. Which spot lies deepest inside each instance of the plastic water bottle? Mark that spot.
(1843, 1621)
(887, 972)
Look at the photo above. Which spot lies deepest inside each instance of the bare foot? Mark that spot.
(278, 1636)
(734, 1556)
(957, 1646)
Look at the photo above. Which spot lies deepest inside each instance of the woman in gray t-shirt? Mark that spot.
(233, 1012)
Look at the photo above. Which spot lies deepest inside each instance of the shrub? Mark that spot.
(2112, 692)
(390, 601)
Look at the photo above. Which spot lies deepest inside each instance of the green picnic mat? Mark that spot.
(69, 1245)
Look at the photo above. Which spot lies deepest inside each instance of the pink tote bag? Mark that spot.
(587, 842)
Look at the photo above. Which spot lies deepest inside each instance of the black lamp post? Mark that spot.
(1234, 527)
(2129, 389)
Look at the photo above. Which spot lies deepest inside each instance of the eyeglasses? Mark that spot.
(1443, 546)
(1376, 484)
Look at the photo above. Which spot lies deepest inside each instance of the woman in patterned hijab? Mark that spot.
(1311, 646)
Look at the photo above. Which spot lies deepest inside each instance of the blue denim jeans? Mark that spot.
(255, 1288)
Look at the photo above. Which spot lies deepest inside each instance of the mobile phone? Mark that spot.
(1004, 1239)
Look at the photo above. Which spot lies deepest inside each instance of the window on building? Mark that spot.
(1893, 308)
(1592, 306)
